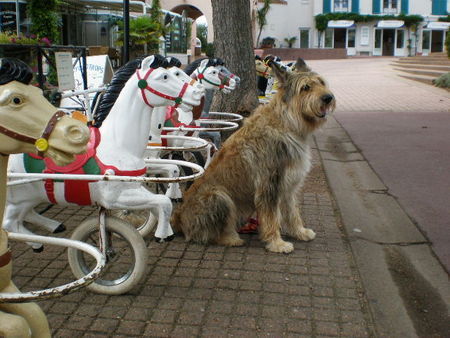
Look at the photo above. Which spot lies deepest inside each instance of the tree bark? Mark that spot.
(233, 43)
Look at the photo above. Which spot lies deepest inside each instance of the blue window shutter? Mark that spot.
(405, 6)
(376, 6)
(326, 6)
(355, 6)
(439, 7)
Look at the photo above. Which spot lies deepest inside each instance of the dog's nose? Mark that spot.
(327, 98)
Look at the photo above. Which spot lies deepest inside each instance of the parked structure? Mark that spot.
(377, 27)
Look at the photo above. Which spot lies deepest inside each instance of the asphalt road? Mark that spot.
(402, 128)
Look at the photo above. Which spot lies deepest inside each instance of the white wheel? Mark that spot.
(126, 252)
(143, 221)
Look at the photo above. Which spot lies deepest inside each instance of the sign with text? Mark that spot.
(66, 80)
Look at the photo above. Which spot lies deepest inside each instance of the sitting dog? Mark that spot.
(260, 168)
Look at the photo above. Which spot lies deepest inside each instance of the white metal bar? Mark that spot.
(57, 290)
(202, 143)
(230, 117)
(228, 126)
(112, 178)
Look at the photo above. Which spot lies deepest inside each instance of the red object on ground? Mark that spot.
(250, 228)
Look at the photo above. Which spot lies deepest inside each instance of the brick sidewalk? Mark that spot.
(212, 291)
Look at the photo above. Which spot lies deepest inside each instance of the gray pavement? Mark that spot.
(402, 128)
(388, 170)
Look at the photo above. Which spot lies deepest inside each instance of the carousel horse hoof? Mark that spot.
(164, 240)
(38, 250)
(60, 228)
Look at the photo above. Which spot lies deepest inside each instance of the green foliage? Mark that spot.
(442, 81)
(444, 18)
(268, 42)
(322, 19)
(45, 19)
(290, 41)
(143, 30)
(261, 17)
(202, 35)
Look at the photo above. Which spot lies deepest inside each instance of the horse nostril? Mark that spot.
(77, 135)
(327, 98)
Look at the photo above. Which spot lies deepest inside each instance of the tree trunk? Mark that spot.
(234, 44)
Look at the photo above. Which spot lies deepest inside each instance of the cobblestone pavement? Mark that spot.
(212, 291)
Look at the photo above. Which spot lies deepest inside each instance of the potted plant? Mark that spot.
(290, 41)
(143, 31)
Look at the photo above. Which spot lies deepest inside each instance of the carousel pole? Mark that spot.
(126, 31)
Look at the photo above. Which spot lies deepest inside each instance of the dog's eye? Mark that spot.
(306, 88)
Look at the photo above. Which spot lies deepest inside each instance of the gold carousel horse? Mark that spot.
(28, 123)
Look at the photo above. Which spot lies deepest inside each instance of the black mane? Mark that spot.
(14, 70)
(211, 62)
(118, 81)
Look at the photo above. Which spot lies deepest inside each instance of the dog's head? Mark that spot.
(305, 93)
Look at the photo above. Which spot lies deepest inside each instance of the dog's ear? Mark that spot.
(281, 73)
(301, 66)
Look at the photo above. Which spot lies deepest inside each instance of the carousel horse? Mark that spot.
(209, 95)
(119, 138)
(29, 123)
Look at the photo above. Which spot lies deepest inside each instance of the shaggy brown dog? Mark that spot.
(260, 168)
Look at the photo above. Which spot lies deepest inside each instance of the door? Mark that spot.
(378, 46)
(388, 42)
(340, 37)
(437, 41)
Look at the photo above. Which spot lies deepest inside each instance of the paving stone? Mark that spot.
(213, 291)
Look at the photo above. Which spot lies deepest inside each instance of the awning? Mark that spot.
(340, 23)
(439, 25)
(390, 23)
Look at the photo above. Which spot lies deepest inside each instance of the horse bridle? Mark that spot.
(224, 81)
(265, 72)
(143, 85)
(40, 143)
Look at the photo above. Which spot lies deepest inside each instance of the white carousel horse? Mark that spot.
(117, 147)
(29, 123)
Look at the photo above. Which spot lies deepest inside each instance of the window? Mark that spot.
(329, 38)
(341, 5)
(400, 39)
(364, 36)
(351, 33)
(378, 38)
(390, 6)
(304, 38)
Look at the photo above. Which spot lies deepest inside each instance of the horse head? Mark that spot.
(210, 75)
(160, 87)
(29, 123)
(262, 69)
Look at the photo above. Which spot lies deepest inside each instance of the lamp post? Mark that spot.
(126, 31)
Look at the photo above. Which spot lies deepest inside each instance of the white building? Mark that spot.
(289, 18)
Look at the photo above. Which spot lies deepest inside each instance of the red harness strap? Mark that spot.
(143, 85)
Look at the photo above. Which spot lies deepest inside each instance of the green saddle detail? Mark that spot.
(91, 167)
(33, 165)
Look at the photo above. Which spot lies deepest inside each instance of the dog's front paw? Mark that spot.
(306, 234)
(280, 246)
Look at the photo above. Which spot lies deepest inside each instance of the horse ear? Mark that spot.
(281, 73)
(204, 63)
(147, 62)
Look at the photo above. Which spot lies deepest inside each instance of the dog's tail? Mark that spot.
(203, 220)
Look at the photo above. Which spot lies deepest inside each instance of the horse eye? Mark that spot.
(17, 100)
(306, 88)
(177, 73)
(214, 72)
(165, 77)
